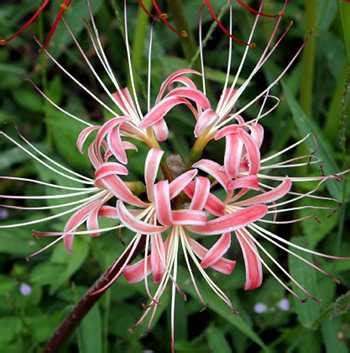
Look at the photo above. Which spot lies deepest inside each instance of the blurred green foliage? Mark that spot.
(57, 280)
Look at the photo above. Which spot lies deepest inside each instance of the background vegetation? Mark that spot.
(36, 295)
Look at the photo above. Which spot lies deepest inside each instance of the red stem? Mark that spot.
(72, 321)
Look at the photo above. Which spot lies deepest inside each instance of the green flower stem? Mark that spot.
(198, 148)
(188, 43)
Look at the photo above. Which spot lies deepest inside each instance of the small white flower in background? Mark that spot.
(283, 304)
(25, 289)
(260, 308)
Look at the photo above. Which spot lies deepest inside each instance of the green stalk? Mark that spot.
(188, 43)
(139, 40)
(308, 68)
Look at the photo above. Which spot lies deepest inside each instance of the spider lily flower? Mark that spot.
(160, 220)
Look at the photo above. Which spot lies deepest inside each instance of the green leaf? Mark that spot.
(344, 10)
(90, 332)
(322, 150)
(216, 340)
(309, 311)
(330, 329)
(215, 304)
(72, 261)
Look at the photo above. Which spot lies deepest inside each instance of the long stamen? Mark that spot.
(149, 72)
(98, 78)
(133, 87)
(42, 162)
(45, 219)
(83, 177)
(75, 80)
(229, 61)
(304, 290)
(39, 182)
(46, 247)
(321, 270)
(193, 280)
(201, 54)
(57, 106)
(173, 299)
(316, 253)
(268, 267)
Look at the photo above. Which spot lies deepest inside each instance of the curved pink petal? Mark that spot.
(217, 251)
(257, 133)
(269, 196)
(116, 145)
(201, 193)
(231, 129)
(84, 134)
(223, 265)
(189, 217)
(119, 189)
(175, 76)
(253, 267)
(253, 152)
(157, 257)
(215, 170)
(136, 272)
(129, 128)
(123, 97)
(106, 128)
(108, 212)
(133, 223)
(233, 155)
(129, 146)
(162, 202)
(161, 130)
(250, 182)
(192, 94)
(232, 221)
(95, 158)
(204, 121)
(160, 110)
(110, 168)
(92, 221)
(214, 205)
(152, 164)
(181, 182)
(77, 219)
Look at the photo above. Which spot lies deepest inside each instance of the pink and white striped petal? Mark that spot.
(233, 155)
(160, 110)
(204, 121)
(269, 196)
(135, 224)
(152, 164)
(92, 221)
(250, 182)
(217, 251)
(162, 202)
(157, 257)
(116, 146)
(201, 193)
(223, 265)
(181, 182)
(83, 136)
(108, 212)
(136, 272)
(189, 217)
(119, 189)
(232, 221)
(194, 95)
(253, 152)
(109, 168)
(122, 96)
(215, 170)
(175, 76)
(161, 131)
(253, 267)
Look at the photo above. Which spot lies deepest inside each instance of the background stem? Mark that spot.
(72, 321)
